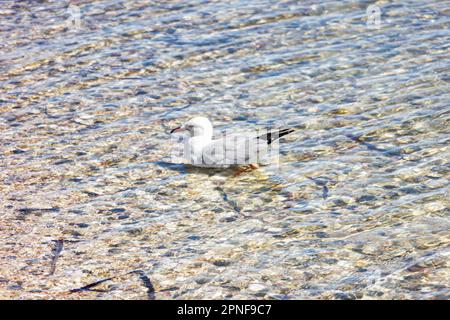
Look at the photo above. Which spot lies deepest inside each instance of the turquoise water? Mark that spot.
(356, 209)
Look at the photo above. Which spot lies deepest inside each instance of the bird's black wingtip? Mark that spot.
(274, 135)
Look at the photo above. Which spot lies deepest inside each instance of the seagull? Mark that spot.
(250, 149)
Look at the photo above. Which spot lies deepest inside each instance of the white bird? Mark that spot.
(232, 150)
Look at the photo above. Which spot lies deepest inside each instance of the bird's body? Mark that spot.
(200, 149)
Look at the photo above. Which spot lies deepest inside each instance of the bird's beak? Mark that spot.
(177, 129)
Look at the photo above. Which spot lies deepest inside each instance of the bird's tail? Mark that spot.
(274, 135)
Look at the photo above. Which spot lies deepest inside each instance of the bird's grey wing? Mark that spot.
(217, 153)
(243, 148)
(234, 150)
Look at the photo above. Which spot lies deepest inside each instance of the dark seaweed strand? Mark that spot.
(147, 283)
(145, 280)
(91, 285)
(368, 145)
(225, 198)
(59, 244)
(372, 147)
(325, 189)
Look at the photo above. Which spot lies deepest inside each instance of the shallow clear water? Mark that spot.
(357, 208)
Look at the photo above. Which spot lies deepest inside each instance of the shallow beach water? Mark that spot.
(357, 207)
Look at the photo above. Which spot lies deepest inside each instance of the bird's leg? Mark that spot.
(239, 171)
(243, 169)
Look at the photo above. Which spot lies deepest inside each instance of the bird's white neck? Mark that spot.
(204, 133)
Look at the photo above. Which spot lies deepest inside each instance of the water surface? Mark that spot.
(357, 209)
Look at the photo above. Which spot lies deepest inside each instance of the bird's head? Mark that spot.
(198, 126)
